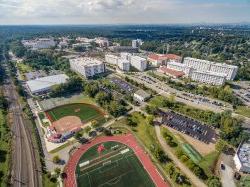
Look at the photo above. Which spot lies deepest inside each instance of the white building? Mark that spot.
(179, 67)
(242, 158)
(229, 70)
(141, 96)
(88, 67)
(123, 65)
(126, 56)
(136, 43)
(204, 65)
(138, 62)
(111, 59)
(102, 42)
(42, 85)
(40, 43)
(157, 60)
(208, 77)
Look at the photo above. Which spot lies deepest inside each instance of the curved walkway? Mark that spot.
(194, 179)
(128, 140)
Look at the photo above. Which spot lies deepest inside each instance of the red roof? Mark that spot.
(172, 72)
(164, 57)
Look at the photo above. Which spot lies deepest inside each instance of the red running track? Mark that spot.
(128, 140)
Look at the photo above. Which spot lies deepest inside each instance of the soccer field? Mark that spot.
(85, 112)
(117, 165)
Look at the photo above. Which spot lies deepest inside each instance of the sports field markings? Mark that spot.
(54, 116)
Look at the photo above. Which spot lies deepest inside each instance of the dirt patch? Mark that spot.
(77, 110)
(201, 147)
(68, 123)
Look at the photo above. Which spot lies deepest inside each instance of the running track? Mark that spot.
(128, 140)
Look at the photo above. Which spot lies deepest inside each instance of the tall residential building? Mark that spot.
(204, 65)
(39, 43)
(136, 43)
(102, 42)
(208, 77)
(138, 62)
(111, 59)
(88, 67)
(123, 64)
(198, 64)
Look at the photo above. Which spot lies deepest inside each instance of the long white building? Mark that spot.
(138, 62)
(204, 65)
(208, 77)
(123, 65)
(111, 59)
(88, 67)
(40, 43)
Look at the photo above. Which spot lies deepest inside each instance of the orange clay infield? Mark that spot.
(67, 123)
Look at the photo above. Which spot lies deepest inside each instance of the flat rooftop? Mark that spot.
(46, 82)
(244, 154)
(85, 61)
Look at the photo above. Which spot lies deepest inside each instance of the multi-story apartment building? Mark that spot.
(40, 43)
(111, 59)
(136, 43)
(197, 64)
(88, 67)
(208, 77)
(138, 62)
(179, 67)
(123, 64)
(229, 70)
(204, 65)
(102, 42)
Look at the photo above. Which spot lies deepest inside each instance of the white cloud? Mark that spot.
(121, 11)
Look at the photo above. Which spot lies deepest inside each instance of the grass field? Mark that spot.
(84, 111)
(112, 168)
(243, 110)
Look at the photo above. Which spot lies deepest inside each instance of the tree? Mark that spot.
(57, 171)
(213, 182)
(87, 129)
(78, 135)
(150, 119)
(56, 159)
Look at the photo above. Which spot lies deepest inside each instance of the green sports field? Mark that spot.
(85, 112)
(111, 168)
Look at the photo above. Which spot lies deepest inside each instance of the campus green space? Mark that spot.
(85, 112)
(243, 110)
(112, 168)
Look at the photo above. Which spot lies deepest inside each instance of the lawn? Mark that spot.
(24, 68)
(208, 162)
(4, 150)
(85, 112)
(243, 110)
(113, 169)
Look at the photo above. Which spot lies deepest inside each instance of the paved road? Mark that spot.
(190, 103)
(25, 169)
(194, 180)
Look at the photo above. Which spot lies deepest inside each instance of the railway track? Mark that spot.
(25, 167)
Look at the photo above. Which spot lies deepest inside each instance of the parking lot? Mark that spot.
(123, 85)
(188, 126)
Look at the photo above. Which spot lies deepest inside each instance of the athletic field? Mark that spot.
(85, 112)
(114, 165)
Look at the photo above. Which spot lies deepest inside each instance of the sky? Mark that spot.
(42, 12)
